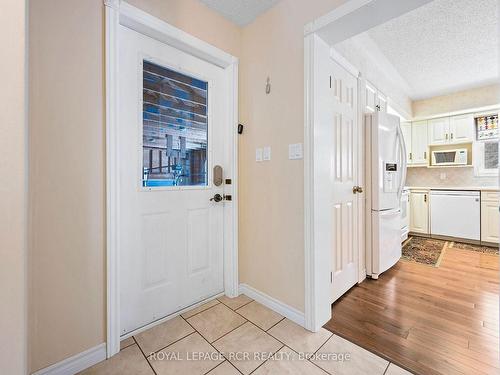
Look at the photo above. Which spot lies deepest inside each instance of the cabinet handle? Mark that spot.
(446, 136)
(425, 154)
(452, 136)
(411, 156)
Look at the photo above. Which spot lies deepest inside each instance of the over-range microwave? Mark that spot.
(450, 157)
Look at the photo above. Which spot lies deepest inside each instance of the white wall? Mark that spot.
(13, 197)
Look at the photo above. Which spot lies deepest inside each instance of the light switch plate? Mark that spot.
(267, 153)
(295, 151)
(258, 154)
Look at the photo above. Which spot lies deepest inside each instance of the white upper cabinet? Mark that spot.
(462, 128)
(439, 131)
(406, 130)
(370, 97)
(419, 142)
(374, 99)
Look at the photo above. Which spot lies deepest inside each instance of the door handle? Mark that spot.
(357, 189)
(217, 198)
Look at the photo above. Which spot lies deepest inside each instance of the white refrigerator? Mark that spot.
(385, 178)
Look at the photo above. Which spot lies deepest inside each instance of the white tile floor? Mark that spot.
(239, 336)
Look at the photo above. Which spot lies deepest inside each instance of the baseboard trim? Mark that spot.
(281, 308)
(76, 363)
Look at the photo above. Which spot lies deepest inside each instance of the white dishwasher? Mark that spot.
(456, 213)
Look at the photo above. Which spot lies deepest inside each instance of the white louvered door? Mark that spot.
(344, 176)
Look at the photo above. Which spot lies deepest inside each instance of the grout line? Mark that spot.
(387, 368)
(172, 343)
(125, 347)
(267, 330)
(146, 358)
(218, 351)
(267, 360)
(239, 307)
(199, 312)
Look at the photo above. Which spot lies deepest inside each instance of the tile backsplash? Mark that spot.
(432, 177)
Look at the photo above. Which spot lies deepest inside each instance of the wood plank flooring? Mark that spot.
(428, 320)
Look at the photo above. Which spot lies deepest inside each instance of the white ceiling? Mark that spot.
(441, 47)
(241, 12)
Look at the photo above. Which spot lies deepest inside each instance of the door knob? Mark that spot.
(217, 198)
(357, 189)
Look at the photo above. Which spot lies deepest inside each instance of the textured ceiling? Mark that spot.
(241, 12)
(443, 46)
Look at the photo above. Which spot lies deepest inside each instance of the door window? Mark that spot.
(175, 128)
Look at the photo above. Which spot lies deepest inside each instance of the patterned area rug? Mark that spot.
(423, 250)
(480, 248)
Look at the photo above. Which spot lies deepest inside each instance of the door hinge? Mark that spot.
(377, 107)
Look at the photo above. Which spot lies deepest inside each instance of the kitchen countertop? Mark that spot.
(481, 188)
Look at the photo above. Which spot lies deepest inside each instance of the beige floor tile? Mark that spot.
(180, 358)
(127, 342)
(129, 361)
(396, 370)
(225, 369)
(287, 361)
(298, 338)
(163, 335)
(361, 361)
(216, 322)
(235, 303)
(247, 340)
(260, 315)
(200, 308)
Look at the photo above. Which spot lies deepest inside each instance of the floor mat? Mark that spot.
(423, 250)
(479, 248)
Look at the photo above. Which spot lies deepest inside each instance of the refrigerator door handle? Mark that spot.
(404, 161)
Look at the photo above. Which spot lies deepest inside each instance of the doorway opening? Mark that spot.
(359, 48)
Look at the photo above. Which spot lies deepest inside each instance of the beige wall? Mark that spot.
(462, 100)
(13, 201)
(67, 165)
(271, 247)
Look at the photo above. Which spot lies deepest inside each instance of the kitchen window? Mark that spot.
(486, 147)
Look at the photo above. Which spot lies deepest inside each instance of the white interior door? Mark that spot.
(344, 162)
(172, 113)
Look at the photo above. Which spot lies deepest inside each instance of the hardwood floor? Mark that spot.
(428, 320)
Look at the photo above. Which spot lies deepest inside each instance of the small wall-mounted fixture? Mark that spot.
(268, 86)
(240, 128)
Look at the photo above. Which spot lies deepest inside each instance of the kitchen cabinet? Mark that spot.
(449, 130)
(439, 131)
(419, 211)
(461, 129)
(374, 99)
(419, 143)
(489, 217)
(406, 130)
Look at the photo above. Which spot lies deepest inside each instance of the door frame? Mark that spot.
(349, 19)
(119, 13)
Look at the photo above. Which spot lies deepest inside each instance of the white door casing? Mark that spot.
(344, 164)
(118, 14)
